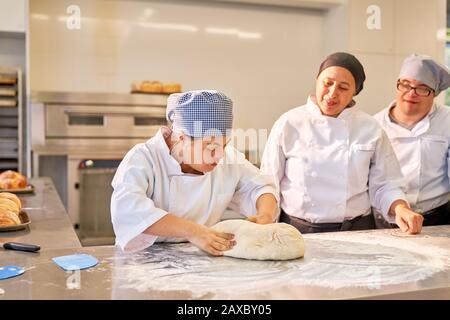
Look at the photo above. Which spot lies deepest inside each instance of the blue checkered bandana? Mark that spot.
(200, 113)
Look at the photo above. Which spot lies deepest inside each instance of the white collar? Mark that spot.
(420, 128)
(313, 108)
(172, 165)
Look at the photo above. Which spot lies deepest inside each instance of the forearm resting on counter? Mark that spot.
(172, 226)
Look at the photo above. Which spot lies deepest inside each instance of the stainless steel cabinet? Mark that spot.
(95, 227)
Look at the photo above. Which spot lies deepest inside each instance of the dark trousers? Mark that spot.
(359, 223)
(437, 216)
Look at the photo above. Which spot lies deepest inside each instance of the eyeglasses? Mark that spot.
(420, 91)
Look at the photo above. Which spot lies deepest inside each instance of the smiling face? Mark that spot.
(410, 103)
(335, 88)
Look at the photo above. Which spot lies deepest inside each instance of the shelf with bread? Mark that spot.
(7, 92)
(10, 118)
(155, 87)
(12, 215)
(14, 182)
(8, 88)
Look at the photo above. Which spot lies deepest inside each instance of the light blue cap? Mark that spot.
(424, 69)
(200, 113)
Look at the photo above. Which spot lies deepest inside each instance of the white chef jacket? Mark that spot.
(332, 169)
(149, 184)
(424, 156)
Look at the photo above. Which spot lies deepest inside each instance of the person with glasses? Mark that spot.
(333, 162)
(178, 184)
(419, 130)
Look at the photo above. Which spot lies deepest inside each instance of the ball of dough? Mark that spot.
(275, 241)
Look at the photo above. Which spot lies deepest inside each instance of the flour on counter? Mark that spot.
(334, 260)
(437, 257)
(2, 291)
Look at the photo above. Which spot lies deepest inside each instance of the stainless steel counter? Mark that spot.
(50, 225)
(347, 265)
(343, 265)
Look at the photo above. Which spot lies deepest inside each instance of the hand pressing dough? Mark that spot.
(275, 241)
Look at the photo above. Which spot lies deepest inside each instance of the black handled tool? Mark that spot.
(21, 247)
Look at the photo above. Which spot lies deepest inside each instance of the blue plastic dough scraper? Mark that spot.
(7, 272)
(75, 262)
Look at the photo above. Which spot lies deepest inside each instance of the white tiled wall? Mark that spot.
(374, 41)
(417, 26)
(408, 26)
(266, 63)
(12, 16)
(379, 87)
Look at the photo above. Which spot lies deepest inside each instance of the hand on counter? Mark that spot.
(213, 242)
(407, 220)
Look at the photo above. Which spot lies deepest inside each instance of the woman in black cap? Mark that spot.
(333, 162)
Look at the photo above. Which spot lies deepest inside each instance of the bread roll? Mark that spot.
(6, 184)
(151, 86)
(8, 218)
(171, 87)
(9, 205)
(10, 184)
(147, 86)
(9, 174)
(11, 196)
(12, 180)
(7, 79)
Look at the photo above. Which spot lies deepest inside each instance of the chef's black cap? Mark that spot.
(349, 62)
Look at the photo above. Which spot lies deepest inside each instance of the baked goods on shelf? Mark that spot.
(8, 103)
(6, 92)
(7, 78)
(10, 206)
(171, 87)
(12, 180)
(148, 86)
